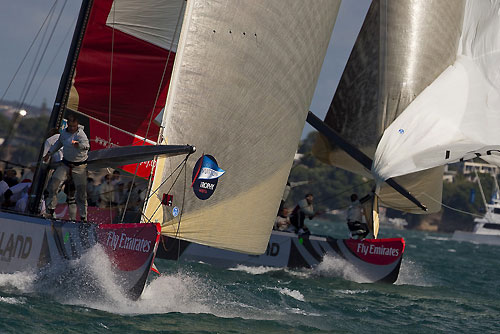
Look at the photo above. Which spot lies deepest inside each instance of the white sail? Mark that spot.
(243, 80)
(402, 47)
(158, 22)
(458, 115)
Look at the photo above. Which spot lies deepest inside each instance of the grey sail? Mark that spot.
(243, 80)
(401, 48)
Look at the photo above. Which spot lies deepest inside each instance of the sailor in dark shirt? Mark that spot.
(302, 209)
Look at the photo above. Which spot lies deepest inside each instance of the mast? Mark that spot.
(40, 177)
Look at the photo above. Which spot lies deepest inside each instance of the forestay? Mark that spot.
(458, 116)
(401, 48)
(243, 80)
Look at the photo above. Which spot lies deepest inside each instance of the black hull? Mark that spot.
(287, 250)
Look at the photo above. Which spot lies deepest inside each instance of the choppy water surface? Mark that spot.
(444, 287)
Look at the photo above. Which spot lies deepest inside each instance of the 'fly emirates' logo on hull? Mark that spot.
(377, 250)
(122, 241)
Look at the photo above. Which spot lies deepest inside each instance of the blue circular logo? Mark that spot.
(401, 131)
(206, 174)
(175, 211)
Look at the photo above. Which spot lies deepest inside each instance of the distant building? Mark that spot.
(483, 168)
(467, 168)
(449, 175)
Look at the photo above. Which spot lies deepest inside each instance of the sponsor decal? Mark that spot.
(377, 251)
(167, 199)
(273, 249)
(14, 246)
(66, 237)
(175, 211)
(206, 174)
(129, 246)
(122, 241)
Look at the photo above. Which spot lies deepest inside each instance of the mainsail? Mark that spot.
(123, 72)
(243, 80)
(402, 47)
(458, 116)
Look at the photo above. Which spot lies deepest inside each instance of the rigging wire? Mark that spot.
(63, 42)
(175, 181)
(110, 90)
(35, 59)
(180, 216)
(183, 162)
(154, 106)
(29, 49)
(111, 71)
(451, 208)
(164, 71)
(43, 54)
(176, 236)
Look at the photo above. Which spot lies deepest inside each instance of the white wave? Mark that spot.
(296, 310)
(451, 250)
(22, 281)
(12, 300)
(429, 237)
(291, 293)
(332, 266)
(89, 282)
(255, 270)
(180, 292)
(302, 273)
(352, 292)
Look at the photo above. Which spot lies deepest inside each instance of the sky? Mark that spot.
(20, 20)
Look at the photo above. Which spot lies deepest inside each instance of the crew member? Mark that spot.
(75, 146)
(355, 218)
(303, 208)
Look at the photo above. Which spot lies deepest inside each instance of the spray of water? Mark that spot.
(22, 282)
(333, 266)
(411, 273)
(89, 282)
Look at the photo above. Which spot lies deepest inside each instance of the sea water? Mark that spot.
(444, 287)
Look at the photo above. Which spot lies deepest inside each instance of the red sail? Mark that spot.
(119, 79)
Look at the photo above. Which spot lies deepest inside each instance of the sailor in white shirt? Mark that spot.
(3, 188)
(53, 137)
(75, 146)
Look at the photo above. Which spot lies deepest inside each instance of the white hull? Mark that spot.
(34, 243)
(488, 239)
